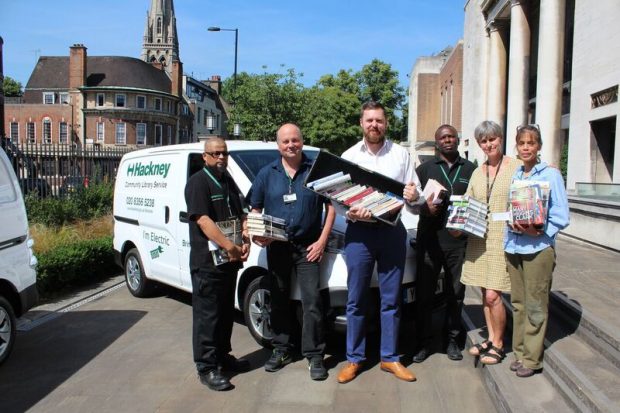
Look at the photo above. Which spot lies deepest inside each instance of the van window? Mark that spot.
(7, 192)
(195, 163)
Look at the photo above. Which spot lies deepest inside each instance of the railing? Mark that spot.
(58, 170)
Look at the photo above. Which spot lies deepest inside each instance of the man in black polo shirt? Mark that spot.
(437, 249)
(278, 190)
(212, 196)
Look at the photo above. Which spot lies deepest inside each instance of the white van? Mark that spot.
(18, 291)
(151, 234)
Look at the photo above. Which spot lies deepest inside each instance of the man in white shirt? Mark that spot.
(367, 243)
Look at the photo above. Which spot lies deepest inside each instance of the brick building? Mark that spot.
(435, 98)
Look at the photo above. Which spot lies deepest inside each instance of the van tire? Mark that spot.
(257, 311)
(137, 283)
(8, 328)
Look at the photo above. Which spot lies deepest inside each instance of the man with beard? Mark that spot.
(279, 191)
(369, 243)
(212, 196)
(437, 249)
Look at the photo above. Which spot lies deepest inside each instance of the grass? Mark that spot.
(47, 238)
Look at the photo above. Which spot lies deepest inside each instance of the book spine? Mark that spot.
(324, 179)
(332, 182)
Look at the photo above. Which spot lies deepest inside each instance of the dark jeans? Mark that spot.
(431, 257)
(286, 259)
(213, 292)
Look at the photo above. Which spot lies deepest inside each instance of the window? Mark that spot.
(158, 135)
(141, 102)
(63, 136)
(157, 104)
(159, 25)
(198, 115)
(100, 132)
(169, 135)
(168, 107)
(31, 132)
(100, 99)
(48, 98)
(120, 100)
(185, 109)
(64, 97)
(47, 130)
(14, 132)
(140, 133)
(7, 191)
(121, 137)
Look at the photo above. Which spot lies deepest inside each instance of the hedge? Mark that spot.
(78, 263)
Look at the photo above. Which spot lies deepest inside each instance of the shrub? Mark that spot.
(85, 203)
(74, 264)
(49, 237)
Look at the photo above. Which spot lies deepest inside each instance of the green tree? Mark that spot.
(265, 101)
(331, 118)
(344, 80)
(11, 87)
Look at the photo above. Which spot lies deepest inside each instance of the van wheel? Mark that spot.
(8, 328)
(137, 283)
(257, 311)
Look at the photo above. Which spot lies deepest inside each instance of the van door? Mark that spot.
(193, 163)
(157, 184)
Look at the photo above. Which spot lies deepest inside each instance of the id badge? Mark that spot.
(288, 198)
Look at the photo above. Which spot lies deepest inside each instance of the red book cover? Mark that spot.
(528, 212)
(359, 196)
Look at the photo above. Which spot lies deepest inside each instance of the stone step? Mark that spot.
(509, 393)
(585, 377)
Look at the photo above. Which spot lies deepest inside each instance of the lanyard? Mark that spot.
(290, 181)
(215, 181)
(490, 188)
(456, 175)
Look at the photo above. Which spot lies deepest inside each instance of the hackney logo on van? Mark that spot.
(140, 169)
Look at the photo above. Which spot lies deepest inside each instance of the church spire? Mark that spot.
(160, 43)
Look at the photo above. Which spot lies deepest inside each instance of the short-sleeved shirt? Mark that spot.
(304, 215)
(455, 179)
(218, 199)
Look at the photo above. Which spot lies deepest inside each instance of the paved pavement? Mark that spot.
(123, 354)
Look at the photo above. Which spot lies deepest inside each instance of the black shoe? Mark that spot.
(215, 380)
(317, 369)
(279, 358)
(230, 363)
(453, 351)
(421, 355)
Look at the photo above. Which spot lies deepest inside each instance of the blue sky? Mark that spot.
(313, 37)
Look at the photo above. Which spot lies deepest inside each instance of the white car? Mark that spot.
(18, 276)
(151, 235)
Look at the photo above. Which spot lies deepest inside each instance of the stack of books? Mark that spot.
(468, 215)
(263, 225)
(529, 202)
(233, 231)
(437, 190)
(340, 188)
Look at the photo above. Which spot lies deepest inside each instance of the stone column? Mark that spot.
(550, 77)
(518, 73)
(496, 86)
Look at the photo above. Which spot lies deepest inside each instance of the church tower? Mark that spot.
(160, 42)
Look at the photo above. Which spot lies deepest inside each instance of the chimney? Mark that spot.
(216, 83)
(177, 78)
(77, 66)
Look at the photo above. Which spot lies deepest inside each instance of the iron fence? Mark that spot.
(58, 170)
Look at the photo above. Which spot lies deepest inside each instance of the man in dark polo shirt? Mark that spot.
(437, 249)
(212, 196)
(278, 190)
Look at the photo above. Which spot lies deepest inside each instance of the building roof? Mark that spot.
(52, 72)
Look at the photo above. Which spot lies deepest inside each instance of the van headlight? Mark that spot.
(335, 242)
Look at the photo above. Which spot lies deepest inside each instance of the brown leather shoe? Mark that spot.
(349, 372)
(398, 370)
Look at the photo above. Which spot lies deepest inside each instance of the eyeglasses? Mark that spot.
(530, 126)
(217, 154)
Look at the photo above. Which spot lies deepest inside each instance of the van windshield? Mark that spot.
(252, 161)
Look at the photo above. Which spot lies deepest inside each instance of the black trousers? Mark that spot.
(431, 257)
(213, 294)
(286, 259)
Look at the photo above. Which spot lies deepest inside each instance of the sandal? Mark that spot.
(495, 357)
(480, 348)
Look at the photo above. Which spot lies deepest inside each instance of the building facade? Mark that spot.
(204, 102)
(101, 100)
(435, 98)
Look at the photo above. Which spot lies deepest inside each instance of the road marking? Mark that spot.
(24, 325)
